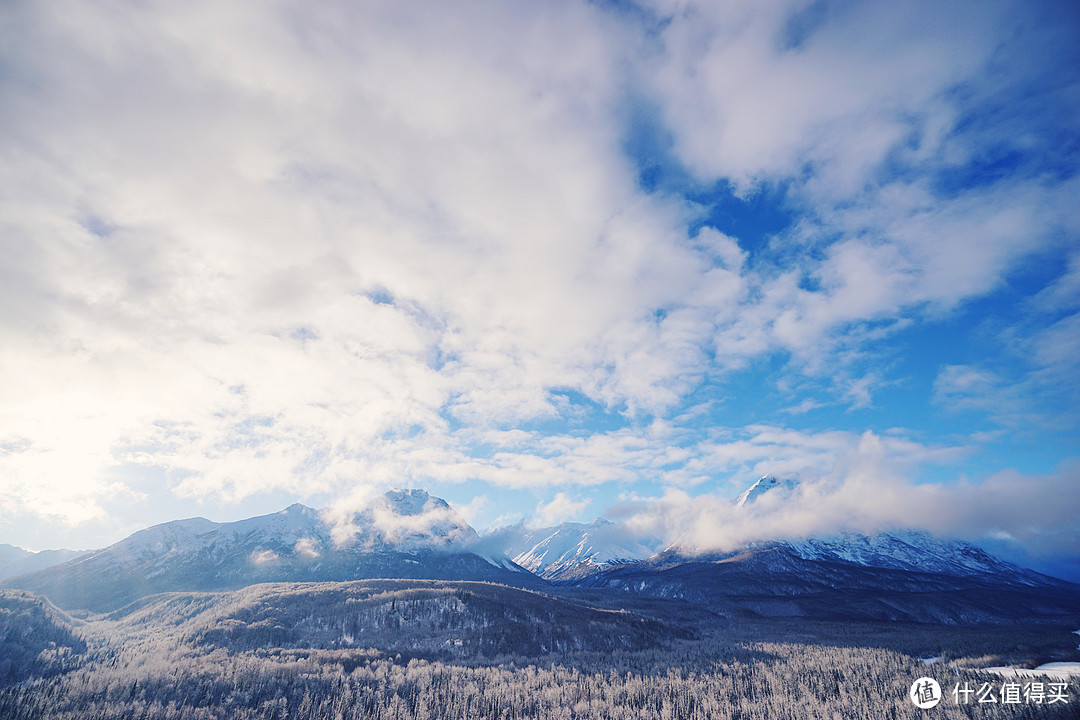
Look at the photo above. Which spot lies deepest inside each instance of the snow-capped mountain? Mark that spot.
(901, 549)
(408, 534)
(775, 582)
(910, 550)
(403, 534)
(571, 549)
(891, 575)
(767, 484)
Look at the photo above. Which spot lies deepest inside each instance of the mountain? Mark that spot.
(776, 582)
(571, 550)
(408, 534)
(902, 549)
(912, 550)
(403, 534)
(420, 618)
(16, 561)
(767, 484)
(904, 575)
(36, 639)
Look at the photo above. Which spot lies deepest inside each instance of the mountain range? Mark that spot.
(16, 561)
(404, 534)
(407, 534)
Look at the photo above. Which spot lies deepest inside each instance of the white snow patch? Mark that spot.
(1057, 670)
(930, 660)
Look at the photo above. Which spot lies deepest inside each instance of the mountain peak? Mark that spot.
(762, 486)
(413, 502)
(298, 509)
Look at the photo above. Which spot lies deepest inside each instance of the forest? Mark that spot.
(429, 649)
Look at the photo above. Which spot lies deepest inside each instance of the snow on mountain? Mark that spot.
(405, 533)
(769, 484)
(909, 550)
(158, 540)
(902, 549)
(572, 549)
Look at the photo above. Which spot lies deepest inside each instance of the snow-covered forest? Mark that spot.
(408, 649)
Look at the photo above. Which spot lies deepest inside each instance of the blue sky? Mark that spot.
(547, 260)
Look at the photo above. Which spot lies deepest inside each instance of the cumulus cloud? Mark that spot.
(254, 249)
(307, 548)
(264, 557)
(400, 518)
(561, 508)
(864, 493)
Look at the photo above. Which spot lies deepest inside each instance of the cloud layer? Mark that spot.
(258, 247)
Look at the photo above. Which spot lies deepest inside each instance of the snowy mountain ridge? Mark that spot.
(410, 534)
(766, 484)
(571, 549)
(404, 533)
(571, 552)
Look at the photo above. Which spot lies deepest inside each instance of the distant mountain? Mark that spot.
(407, 534)
(776, 582)
(572, 550)
(912, 550)
(891, 575)
(16, 561)
(404, 534)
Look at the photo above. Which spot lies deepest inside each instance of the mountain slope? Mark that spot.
(905, 575)
(35, 639)
(572, 549)
(433, 619)
(406, 534)
(897, 549)
(912, 550)
(776, 582)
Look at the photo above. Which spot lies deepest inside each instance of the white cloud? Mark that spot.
(307, 547)
(865, 493)
(559, 509)
(324, 252)
(264, 557)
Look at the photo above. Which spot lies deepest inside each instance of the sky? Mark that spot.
(548, 260)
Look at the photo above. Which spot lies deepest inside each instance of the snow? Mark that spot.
(762, 486)
(163, 538)
(404, 520)
(907, 550)
(413, 502)
(1056, 670)
(930, 660)
(550, 551)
